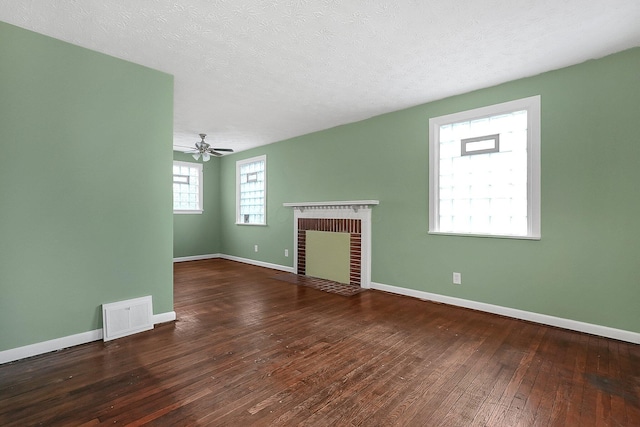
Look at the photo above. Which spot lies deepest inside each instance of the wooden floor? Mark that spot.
(249, 350)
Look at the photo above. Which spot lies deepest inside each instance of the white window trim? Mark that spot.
(239, 164)
(200, 187)
(532, 105)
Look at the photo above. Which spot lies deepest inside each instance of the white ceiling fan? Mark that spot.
(204, 149)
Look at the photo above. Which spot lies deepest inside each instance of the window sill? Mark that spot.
(490, 236)
(188, 212)
(244, 223)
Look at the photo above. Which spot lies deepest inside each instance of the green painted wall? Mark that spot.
(586, 267)
(85, 186)
(199, 234)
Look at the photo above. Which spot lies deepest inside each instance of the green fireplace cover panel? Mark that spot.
(327, 255)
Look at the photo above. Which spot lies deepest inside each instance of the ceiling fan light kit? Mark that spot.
(204, 149)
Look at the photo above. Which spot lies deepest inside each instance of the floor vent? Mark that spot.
(128, 317)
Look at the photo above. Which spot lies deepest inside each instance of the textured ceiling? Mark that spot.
(254, 72)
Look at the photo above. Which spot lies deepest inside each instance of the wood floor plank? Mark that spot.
(549, 389)
(436, 352)
(248, 349)
(436, 403)
(628, 361)
(618, 410)
(501, 404)
(589, 405)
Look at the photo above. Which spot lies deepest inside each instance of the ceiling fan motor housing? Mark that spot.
(203, 148)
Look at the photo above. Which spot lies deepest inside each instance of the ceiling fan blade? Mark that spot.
(214, 153)
(223, 149)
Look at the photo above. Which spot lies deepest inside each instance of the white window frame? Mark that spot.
(532, 105)
(197, 166)
(239, 164)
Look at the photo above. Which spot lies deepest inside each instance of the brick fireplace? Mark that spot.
(353, 217)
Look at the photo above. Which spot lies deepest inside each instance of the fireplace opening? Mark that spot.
(347, 230)
(327, 255)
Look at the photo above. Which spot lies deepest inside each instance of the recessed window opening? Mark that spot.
(480, 144)
(251, 191)
(181, 179)
(485, 171)
(187, 188)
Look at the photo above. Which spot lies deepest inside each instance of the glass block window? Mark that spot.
(251, 191)
(187, 187)
(485, 171)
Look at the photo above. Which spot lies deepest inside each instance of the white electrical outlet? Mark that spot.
(255, 248)
(286, 252)
(457, 278)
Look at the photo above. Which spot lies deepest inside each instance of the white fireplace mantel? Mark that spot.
(346, 204)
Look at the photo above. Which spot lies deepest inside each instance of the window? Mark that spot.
(187, 187)
(251, 191)
(485, 171)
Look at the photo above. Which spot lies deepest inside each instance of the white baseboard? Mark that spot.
(68, 341)
(196, 257)
(49, 346)
(574, 325)
(259, 263)
(238, 259)
(169, 316)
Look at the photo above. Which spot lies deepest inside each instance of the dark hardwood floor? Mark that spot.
(249, 350)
